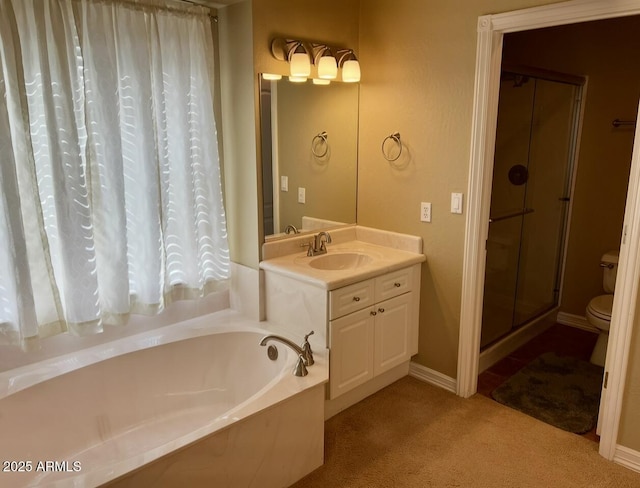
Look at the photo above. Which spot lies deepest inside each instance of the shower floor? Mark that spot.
(561, 339)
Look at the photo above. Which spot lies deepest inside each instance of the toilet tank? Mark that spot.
(609, 265)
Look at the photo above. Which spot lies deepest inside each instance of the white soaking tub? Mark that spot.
(193, 404)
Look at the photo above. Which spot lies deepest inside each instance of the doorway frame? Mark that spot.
(491, 31)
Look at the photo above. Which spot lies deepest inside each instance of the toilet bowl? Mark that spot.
(598, 311)
(599, 315)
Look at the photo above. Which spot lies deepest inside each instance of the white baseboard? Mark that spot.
(576, 321)
(432, 377)
(627, 458)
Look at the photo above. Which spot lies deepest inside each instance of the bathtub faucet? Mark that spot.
(305, 355)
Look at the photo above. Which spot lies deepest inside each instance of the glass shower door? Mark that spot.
(531, 181)
(515, 114)
(542, 242)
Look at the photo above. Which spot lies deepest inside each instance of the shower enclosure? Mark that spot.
(535, 147)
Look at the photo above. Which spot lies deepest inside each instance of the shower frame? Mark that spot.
(524, 332)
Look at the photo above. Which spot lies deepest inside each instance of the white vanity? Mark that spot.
(361, 298)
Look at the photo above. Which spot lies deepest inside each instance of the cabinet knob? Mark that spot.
(381, 310)
(373, 312)
(356, 299)
(397, 285)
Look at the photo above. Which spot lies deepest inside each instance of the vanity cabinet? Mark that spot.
(365, 315)
(372, 329)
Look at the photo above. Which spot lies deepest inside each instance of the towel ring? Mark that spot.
(320, 140)
(395, 137)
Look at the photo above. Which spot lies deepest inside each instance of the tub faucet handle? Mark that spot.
(305, 358)
(307, 354)
(300, 369)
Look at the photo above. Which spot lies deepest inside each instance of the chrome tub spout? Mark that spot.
(305, 356)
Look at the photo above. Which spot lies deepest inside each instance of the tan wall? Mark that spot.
(418, 71)
(629, 430)
(239, 133)
(600, 51)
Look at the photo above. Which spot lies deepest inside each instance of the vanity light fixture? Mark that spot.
(350, 66)
(319, 81)
(271, 76)
(299, 62)
(327, 60)
(326, 63)
(297, 79)
(295, 53)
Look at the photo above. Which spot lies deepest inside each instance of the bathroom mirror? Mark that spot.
(309, 154)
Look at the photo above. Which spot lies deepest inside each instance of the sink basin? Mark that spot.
(342, 260)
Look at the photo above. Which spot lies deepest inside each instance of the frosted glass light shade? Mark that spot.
(297, 79)
(271, 76)
(318, 81)
(351, 71)
(300, 65)
(327, 68)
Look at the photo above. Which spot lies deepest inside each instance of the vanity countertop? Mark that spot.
(383, 259)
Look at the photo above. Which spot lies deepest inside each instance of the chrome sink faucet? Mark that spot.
(305, 355)
(319, 244)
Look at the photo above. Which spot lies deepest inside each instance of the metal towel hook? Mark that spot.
(395, 137)
(319, 141)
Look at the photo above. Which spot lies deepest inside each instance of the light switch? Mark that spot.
(301, 195)
(456, 203)
(284, 183)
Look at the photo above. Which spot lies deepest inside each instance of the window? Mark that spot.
(111, 197)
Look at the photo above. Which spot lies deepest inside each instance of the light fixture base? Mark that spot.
(280, 49)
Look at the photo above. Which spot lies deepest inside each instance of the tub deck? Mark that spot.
(87, 418)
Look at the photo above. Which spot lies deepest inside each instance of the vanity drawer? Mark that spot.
(393, 284)
(350, 298)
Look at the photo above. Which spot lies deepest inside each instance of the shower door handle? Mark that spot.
(524, 211)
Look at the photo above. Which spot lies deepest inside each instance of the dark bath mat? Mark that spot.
(561, 391)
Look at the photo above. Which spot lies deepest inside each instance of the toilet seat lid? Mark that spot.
(601, 306)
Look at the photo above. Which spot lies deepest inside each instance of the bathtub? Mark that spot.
(192, 404)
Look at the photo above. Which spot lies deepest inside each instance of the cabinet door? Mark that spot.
(351, 355)
(392, 333)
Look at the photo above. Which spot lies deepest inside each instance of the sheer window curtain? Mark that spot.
(111, 198)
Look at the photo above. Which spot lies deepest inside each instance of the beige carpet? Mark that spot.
(412, 434)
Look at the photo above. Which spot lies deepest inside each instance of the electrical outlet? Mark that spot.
(425, 212)
(301, 195)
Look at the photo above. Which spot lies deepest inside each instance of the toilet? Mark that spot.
(599, 308)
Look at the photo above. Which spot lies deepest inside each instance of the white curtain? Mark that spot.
(111, 199)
